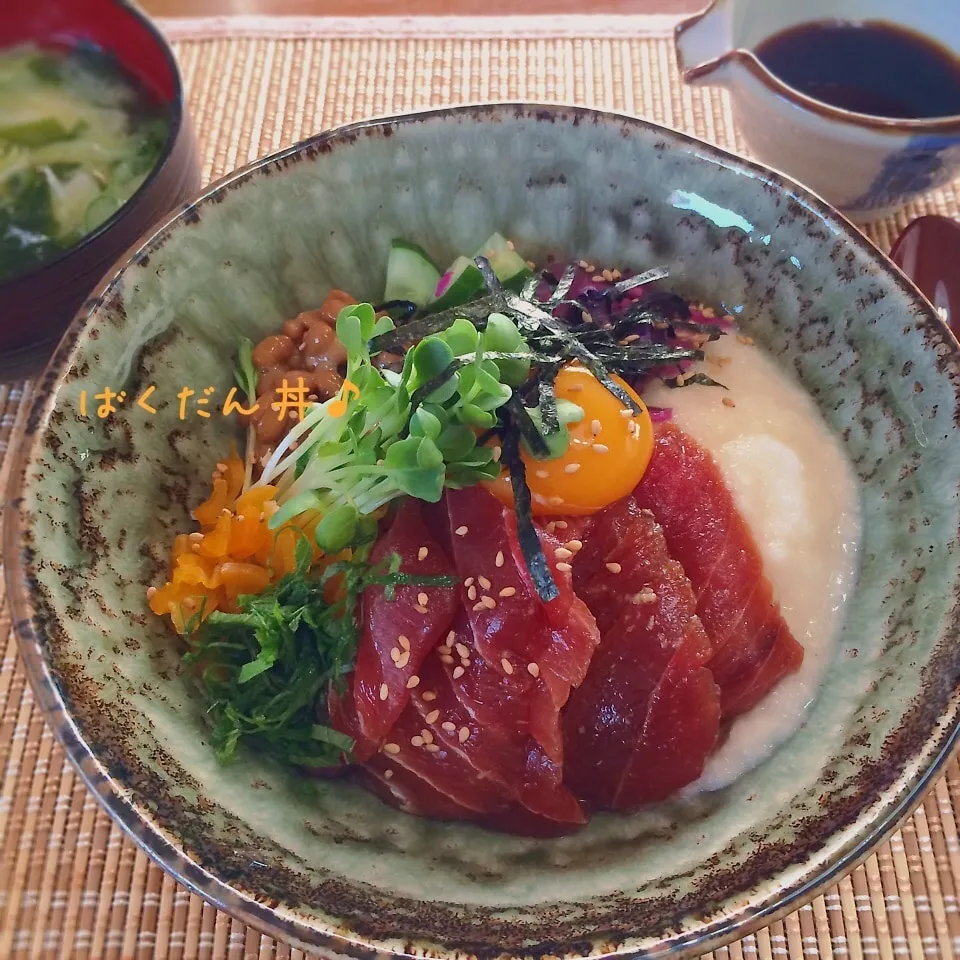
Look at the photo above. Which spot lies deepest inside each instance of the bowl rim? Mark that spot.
(755, 908)
(178, 113)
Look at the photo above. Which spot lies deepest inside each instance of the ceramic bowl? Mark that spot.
(38, 305)
(867, 166)
(96, 503)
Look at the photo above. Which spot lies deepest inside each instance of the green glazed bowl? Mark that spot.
(96, 503)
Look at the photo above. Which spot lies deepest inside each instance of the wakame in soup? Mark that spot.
(77, 138)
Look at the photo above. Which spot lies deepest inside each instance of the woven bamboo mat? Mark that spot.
(71, 885)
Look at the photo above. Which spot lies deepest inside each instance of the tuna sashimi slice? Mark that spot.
(705, 532)
(541, 652)
(398, 633)
(651, 648)
(681, 729)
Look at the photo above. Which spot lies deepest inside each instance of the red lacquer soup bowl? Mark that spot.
(36, 306)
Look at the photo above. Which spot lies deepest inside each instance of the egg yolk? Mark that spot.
(608, 453)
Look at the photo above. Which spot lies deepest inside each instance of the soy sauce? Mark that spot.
(871, 67)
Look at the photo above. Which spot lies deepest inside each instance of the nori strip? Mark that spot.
(527, 536)
(563, 286)
(657, 273)
(523, 423)
(489, 277)
(688, 381)
(400, 310)
(548, 406)
(588, 359)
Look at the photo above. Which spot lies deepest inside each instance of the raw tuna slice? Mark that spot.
(680, 731)
(753, 647)
(398, 633)
(652, 649)
(540, 655)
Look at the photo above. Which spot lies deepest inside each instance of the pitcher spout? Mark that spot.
(705, 43)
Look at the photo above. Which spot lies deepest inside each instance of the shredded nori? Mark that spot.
(690, 379)
(523, 423)
(527, 536)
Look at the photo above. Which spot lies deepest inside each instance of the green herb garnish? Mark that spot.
(409, 433)
(265, 670)
(245, 373)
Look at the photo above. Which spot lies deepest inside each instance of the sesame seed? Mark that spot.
(195, 547)
(387, 774)
(542, 474)
(616, 274)
(417, 741)
(463, 650)
(630, 338)
(472, 593)
(429, 696)
(551, 526)
(708, 312)
(465, 662)
(507, 666)
(222, 467)
(420, 608)
(432, 748)
(727, 402)
(447, 659)
(448, 725)
(464, 735)
(571, 468)
(626, 412)
(451, 636)
(497, 453)
(196, 537)
(422, 553)
(468, 582)
(484, 582)
(575, 545)
(427, 735)
(395, 654)
(533, 669)
(414, 681)
(747, 341)
(384, 691)
(600, 448)
(458, 672)
(564, 567)
(582, 264)
(478, 606)
(508, 591)
(590, 268)
(646, 595)
(614, 567)
(462, 531)
(554, 501)
(393, 748)
(607, 275)
(562, 553)
(596, 427)
(651, 622)
(499, 561)
(488, 602)
(151, 592)
(597, 278)
(561, 524)
(404, 659)
(422, 599)
(432, 716)
(404, 642)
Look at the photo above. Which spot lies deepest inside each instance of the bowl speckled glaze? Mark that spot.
(97, 503)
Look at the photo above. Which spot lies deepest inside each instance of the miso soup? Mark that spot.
(77, 139)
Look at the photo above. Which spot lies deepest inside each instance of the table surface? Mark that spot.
(72, 886)
(403, 8)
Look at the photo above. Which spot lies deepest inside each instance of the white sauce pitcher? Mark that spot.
(867, 166)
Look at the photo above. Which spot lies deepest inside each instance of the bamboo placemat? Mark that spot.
(71, 885)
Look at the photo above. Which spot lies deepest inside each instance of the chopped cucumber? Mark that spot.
(465, 283)
(511, 269)
(411, 274)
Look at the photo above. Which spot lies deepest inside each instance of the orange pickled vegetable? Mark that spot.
(234, 553)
